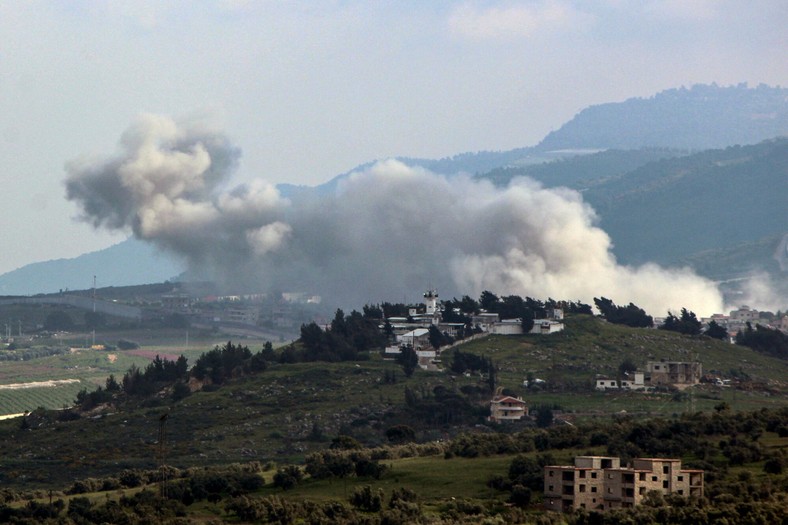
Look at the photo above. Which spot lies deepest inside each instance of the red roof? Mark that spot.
(508, 399)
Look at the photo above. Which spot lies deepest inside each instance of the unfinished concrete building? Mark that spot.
(673, 373)
(601, 483)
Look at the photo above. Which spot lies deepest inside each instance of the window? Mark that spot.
(653, 478)
(550, 488)
(642, 490)
(593, 475)
(681, 478)
(681, 492)
(593, 489)
(665, 484)
(665, 469)
(582, 488)
(582, 473)
(550, 473)
(642, 476)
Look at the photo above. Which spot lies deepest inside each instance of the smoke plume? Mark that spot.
(383, 234)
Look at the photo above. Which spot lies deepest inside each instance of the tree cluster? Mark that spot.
(630, 315)
(465, 361)
(687, 324)
(227, 362)
(347, 339)
(342, 463)
(765, 340)
(160, 372)
(442, 406)
(508, 307)
(716, 331)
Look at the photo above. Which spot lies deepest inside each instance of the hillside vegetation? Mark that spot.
(288, 410)
(672, 208)
(718, 210)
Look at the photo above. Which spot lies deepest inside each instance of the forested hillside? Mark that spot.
(667, 210)
(721, 211)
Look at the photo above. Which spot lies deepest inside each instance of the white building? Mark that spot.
(636, 382)
(507, 327)
(744, 314)
(546, 326)
(418, 338)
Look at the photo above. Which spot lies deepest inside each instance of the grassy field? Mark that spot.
(590, 346)
(92, 367)
(437, 481)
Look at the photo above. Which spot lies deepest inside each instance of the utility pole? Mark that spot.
(161, 454)
(93, 343)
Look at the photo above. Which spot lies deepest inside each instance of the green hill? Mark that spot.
(291, 409)
(667, 210)
(720, 211)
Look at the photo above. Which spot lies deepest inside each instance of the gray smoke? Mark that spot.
(385, 233)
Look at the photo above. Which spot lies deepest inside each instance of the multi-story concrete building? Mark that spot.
(243, 314)
(673, 373)
(744, 314)
(601, 483)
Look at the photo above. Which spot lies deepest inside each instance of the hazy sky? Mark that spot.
(308, 90)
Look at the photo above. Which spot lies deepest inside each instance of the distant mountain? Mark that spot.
(127, 263)
(672, 123)
(702, 117)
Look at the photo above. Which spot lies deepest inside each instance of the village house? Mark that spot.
(601, 483)
(676, 374)
(635, 381)
(507, 408)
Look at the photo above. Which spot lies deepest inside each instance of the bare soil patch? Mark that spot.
(39, 384)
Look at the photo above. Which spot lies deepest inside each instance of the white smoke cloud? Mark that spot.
(760, 292)
(384, 233)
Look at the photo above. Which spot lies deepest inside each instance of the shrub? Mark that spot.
(366, 499)
(521, 496)
(288, 477)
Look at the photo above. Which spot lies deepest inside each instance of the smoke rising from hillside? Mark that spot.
(385, 233)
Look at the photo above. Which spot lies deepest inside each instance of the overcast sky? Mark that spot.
(308, 90)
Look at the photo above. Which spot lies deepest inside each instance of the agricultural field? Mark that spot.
(70, 357)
